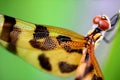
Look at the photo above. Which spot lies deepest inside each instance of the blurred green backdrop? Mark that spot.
(111, 68)
(71, 14)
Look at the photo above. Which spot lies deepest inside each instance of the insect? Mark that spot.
(55, 50)
(86, 70)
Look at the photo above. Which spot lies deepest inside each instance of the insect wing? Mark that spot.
(54, 50)
(88, 68)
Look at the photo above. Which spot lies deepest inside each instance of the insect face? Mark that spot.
(102, 21)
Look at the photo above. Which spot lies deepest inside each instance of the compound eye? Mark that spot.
(96, 19)
(103, 24)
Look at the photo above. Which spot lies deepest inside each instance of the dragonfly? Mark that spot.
(55, 50)
(86, 70)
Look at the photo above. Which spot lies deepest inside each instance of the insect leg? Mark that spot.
(109, 35)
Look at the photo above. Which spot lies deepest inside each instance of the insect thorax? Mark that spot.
(94, 36)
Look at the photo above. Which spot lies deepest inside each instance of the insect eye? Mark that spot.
(103, 24)
(96, 19)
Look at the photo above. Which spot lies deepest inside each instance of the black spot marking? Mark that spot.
(44, 62)
(10, 33)
(13, 40)
(10, 20)
(68, 49)
(88, 69)
(66, 46)
(66, 68)
(47, 44)
(62, 38)
(87, 57)
(7, 28)
(12, 48)
(79, 51)
(35, 43)
(40, 32)
(96, 78)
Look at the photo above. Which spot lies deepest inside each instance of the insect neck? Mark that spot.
(94, 35)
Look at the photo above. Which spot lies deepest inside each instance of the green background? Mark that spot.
(112, 66)
(75, 15)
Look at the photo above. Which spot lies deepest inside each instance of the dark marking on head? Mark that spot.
(87, 57)
(40, 32)
(13, 40)
(103, 18)
(95, 77)
(9, 22)
(44, 62)
(47, 44)
(62, 38)
(97, 30)
(70, 50)
(67, 68)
